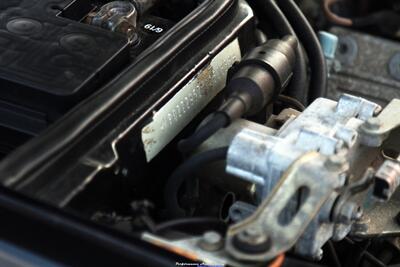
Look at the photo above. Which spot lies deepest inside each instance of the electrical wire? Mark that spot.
(297, 87)
(386, 20)
(278, 262)
(255, 82)
(185, 172)
(307, 36)
(292, 102)
(217, 121)
(334, 18)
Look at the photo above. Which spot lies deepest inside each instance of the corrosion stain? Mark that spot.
(205, 80)
(148, 130)
(150, 142)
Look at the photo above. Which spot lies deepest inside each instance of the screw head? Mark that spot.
(211, 241)
(252, 236)
(252, 240)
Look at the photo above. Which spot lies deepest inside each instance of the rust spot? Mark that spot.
(149, 142)
(205, 79)
(148, 129)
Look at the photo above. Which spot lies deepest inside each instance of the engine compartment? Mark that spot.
(230, 133)
(79, 56)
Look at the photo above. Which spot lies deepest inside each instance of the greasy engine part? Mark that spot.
(317, 192)
(334, 130)
(365, 65)
(212, 138)
(357, 134)
(254, 82)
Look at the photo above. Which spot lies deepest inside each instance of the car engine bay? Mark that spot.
(201, 132)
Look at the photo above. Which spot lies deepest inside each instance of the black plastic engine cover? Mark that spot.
(48, 63)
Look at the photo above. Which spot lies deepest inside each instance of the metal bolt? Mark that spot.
(211, 241)
(253, 236)
(252, 240)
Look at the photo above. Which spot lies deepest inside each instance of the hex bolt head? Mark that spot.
(252, 240)
(211, 241)
(252, 236)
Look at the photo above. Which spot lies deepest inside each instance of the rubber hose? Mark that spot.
(218, 121)
(298, 85)
(307, 36)
(185, 172)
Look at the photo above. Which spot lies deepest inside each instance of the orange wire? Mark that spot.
(278, 261)
(332, 16)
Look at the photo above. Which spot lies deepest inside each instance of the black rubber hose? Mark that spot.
(307, 36)
(298, 85)
(185, 172)
(218, 121)
(255, 82)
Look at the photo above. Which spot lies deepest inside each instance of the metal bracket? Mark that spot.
(305, 174)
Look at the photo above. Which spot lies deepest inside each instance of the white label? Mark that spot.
(153, 28)
(174, 116)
